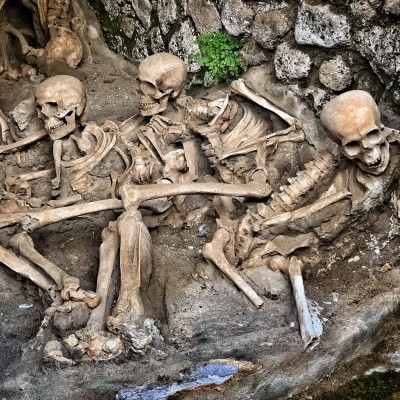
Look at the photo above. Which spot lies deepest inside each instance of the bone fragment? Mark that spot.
(30, 176)
(57, 153)
(25, 269)
(241, 88)
(5, 129)
(213, 252)
(23, 142)
(67, 201)
(108, 254)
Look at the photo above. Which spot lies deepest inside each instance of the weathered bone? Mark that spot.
(241, 88)
(213, 252)
(5, 129)
(135, 265)
(134, 195)
(108, 254)
(36, 219)
(26, 270)
(303, 212)
(293, 268)
(23, 142)
(70, 285)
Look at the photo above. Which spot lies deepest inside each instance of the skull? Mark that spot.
(352, 120)
(161, 76)
(60, 101)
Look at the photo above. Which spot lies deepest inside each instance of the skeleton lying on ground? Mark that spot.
(257, 238)
(157, 138)
(59, 44)
(321, 201)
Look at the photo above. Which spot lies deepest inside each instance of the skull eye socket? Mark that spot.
(352, 148)
(148, 88)
(373, 137)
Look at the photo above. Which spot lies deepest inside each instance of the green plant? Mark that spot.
(219, 56)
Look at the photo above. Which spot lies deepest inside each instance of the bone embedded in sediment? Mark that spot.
(23, 142)
(238, 86)
(135, 267)
(108, 254)
(213, 252)
(26, 270)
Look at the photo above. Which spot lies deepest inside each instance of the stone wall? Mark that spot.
(318, 48)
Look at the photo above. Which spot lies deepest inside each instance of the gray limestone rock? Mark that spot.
(335, 74)
(143, 10)
(156, 41)
(362, 10)
(236, 16)
(205, 15)
(253, 53)
(270, 27)
(291, 63)
(167, 14)
(321, 26)
(392, 6)
(182, 44)
(381, 46)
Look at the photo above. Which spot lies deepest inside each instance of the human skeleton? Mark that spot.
(159, 171)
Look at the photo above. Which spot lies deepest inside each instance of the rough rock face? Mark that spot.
(291, 63)
(205, 16)
(270, 27)
(335, 74)
(361, 32)
(381, 46)
(321, 26)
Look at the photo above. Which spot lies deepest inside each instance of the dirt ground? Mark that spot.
(200, 314)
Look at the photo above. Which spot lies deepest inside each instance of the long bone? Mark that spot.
(69, 286)
(293, 268)
(132, 195)
(26, 270)
(108, 254)
(135, 264)
(23, 142)
(241, 88)
(213, 252)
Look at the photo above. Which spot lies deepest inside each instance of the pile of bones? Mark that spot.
(157, 155)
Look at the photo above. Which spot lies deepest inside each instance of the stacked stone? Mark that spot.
(323, 47)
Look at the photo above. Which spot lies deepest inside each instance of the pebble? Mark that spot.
(25, 306)
(202, 230)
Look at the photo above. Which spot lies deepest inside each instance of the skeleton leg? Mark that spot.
(214, 252)
(135, 263)
(26, 270)
(293, 267)
(93, 340)
(70, 287)
(108, 255)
